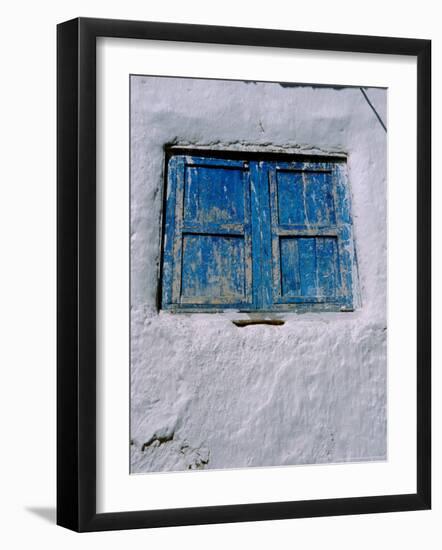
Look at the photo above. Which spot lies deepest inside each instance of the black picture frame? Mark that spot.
(76, 274)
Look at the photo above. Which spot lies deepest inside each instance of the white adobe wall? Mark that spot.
(207, 394)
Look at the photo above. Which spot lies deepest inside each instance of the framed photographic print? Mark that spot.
(243, 274)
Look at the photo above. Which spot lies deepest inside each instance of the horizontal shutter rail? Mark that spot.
(303, 170)
(300, 299)
(211, 301)
(299, 166)
(221, 229)
(202, 162)
(307, 231)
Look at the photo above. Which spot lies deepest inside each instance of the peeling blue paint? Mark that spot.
(257, 235)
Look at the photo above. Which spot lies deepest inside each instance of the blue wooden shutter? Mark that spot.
(311, 234)
(207, 251)
(258, 235)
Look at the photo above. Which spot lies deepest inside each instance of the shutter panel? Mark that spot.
(306, 246)
(211, 253)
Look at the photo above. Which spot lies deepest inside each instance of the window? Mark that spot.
(256, 234)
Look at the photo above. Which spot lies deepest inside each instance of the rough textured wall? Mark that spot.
(207, 394)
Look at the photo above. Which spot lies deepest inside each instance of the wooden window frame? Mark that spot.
(263, 283)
